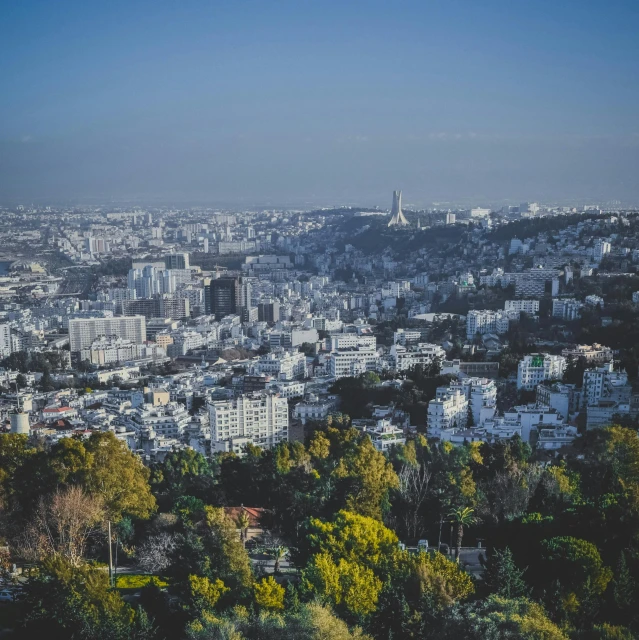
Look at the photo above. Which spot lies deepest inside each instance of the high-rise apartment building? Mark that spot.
(83, 331)
(227, 296)
(259, 419)
(158, 307)
(151, 281)
(176, 261)
(5, 340)
(268, 311)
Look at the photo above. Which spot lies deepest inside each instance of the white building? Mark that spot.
(121, 374)
(5, 340)
(109, 351)
(288, 389)
(531, 307)
(567, 309)
(593, 301)
(603, 412)
(260, 419)
(603, 383)
(385, 434)
(538, 367)
(447, 410)
(491, 431)
(84, 331)
(406, 337)
(312, 410)
(165, 421)
(405, 358)
(592, 354)
(602, 248)
(532, 417)
(565, 399)
(283, 365)
(352, 362)
(551, 439)
(484, 321)
(150, 281)
(350, 341)
(481, 394)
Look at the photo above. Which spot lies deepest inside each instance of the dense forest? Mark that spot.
(340, 522)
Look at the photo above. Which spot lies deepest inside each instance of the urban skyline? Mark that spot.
(319, 320)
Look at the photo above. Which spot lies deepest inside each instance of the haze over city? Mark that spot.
(317, 103)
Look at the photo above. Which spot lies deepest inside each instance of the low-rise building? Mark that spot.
(352, 362)
(591, 354)
(563, 398)
(533, 417)
(531, 307)
(385, 435)
(164, 421)
(282, 365)
(567, 309)
(466, 369)
(552, 439)
(424, 354)
(485, 321)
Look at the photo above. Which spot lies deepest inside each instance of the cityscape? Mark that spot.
(395, 408)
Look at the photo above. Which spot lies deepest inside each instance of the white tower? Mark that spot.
(19, 420)
(397, 217)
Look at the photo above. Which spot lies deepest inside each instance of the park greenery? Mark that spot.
(560, 539)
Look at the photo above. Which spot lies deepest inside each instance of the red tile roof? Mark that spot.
(254, 514)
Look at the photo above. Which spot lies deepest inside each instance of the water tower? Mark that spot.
(19, 419)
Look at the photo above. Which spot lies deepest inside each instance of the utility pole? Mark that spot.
(110, 558)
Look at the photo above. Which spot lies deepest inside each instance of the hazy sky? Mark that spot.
(326, 102)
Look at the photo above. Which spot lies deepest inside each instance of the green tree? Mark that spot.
(203, 594)
(64, 602)
(578, 570)
(119, 477)
(14, 453)
(353, 537)
(269, 594)
(310, 622)
(496, 618)
(227, 554)
(367, 479)
(624, 589)
(183, 471)
(439, 580)
(502, 576)
(351, 587)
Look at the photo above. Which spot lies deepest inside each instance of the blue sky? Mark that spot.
(320, 102)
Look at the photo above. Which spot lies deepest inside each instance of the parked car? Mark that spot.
(6, 596)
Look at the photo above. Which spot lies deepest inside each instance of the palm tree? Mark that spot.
(461, 517)
(243, 522)
(279, 553)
